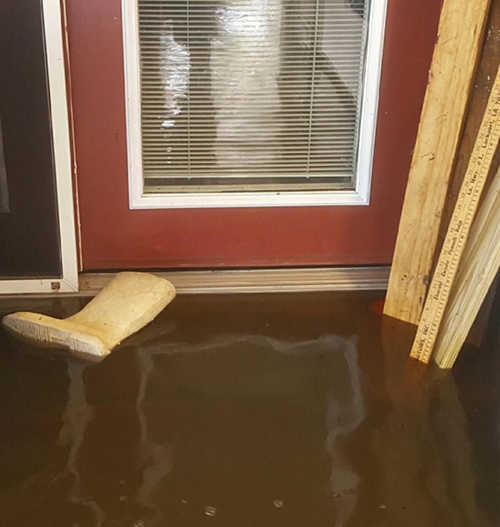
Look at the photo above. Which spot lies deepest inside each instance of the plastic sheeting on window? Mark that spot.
(260, 90)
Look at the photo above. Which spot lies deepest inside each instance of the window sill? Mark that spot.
(249, 199)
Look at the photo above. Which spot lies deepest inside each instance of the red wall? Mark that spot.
(113, 236)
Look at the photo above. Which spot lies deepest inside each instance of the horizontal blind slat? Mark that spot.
(250, 89)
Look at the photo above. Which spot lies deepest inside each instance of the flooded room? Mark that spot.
(249, 263)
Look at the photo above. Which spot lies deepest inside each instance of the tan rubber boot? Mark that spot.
(124, 306)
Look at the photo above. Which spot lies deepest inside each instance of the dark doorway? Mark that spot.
(29, 225)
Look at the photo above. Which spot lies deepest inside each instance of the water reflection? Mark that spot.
(157, 458)
(183, 428)
(76, 418)
(423, 443)
(254, 372)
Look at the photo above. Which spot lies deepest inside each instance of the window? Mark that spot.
(251, 102)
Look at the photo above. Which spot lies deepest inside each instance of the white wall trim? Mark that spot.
(138, 199)
(370, 96)
(62, 161)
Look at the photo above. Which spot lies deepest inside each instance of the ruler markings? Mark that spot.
(458, 230)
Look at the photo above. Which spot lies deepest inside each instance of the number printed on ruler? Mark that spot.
(458, 230)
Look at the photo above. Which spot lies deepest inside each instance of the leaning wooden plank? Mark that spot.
(454, 60)
(479, 266)
(459, 228)
(483, 82)
(124, 306)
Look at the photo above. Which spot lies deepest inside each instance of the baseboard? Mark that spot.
(260, 280)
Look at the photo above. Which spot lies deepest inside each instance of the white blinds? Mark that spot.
(250, 93)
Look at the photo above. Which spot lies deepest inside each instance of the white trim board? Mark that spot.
(138, 199)
(62, 162)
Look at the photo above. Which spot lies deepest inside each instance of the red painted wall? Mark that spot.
(113, 236)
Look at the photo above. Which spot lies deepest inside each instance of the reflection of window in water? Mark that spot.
(249, 423)
(322, 374)
(4, 190)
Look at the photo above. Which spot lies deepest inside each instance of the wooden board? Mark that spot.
(460, 36)
(458, 231)
(479, 266)
(483, 81)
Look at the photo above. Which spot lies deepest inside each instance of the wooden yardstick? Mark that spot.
(458, 230)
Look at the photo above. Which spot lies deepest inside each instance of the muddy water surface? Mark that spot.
(258, 410)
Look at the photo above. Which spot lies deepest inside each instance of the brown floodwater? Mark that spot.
(249, 410)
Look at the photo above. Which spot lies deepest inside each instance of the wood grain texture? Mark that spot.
(460, 37)
(479, 266)
(466, 208)
(483, 83)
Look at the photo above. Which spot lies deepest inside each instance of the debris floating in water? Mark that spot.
(210, 511)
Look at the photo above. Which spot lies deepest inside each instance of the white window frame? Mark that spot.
(68, 282)
(138, 199)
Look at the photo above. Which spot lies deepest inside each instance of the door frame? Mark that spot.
(56, 73)
(113, 237)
